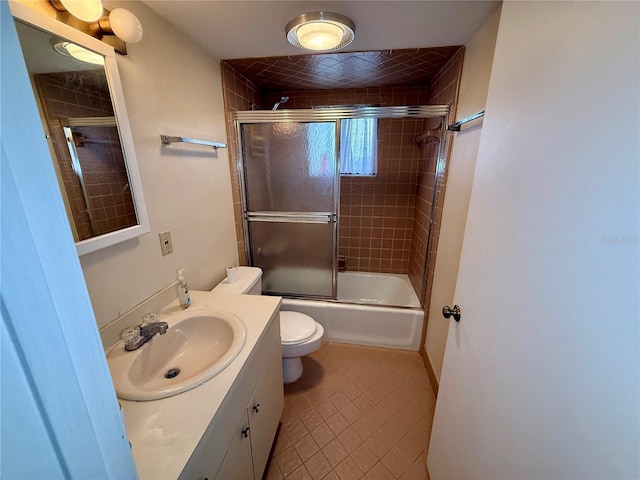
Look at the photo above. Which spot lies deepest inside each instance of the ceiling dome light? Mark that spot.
(320, 31)
(79, 53)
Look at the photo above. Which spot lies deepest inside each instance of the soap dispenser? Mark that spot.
(183, 290)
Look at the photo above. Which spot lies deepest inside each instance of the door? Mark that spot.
(265, 410)
(290, 173)
(238, 463)
(59, 417)
(540, 376)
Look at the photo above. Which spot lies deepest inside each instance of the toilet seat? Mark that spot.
(296, 328)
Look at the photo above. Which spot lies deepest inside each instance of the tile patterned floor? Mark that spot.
(356, 413)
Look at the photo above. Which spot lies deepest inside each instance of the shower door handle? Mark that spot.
(291, 217)
(454, 312)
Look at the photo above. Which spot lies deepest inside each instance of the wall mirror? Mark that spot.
(77, 88)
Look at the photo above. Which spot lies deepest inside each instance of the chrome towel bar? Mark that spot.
(166, 139)
(455, 127)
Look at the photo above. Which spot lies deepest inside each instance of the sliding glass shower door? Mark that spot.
(290, 175)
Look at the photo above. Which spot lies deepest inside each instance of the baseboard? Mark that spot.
(431, 373)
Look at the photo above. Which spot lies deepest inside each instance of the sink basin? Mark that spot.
(197, 346)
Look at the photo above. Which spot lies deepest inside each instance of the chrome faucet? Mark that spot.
(137, 336)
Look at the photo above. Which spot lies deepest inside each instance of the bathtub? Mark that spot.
(377, 289)
(358, 316)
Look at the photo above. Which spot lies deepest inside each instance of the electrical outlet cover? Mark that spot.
(165, 243)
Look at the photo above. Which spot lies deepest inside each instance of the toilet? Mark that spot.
(300, 334)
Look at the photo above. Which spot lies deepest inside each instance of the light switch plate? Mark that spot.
(165, 243)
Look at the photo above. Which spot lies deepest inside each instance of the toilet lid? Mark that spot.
(296, 327)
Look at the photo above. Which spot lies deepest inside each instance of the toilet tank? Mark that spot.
(249, 282)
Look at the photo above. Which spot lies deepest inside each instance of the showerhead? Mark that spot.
(282, 100)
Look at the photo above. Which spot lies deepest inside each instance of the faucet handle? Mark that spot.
(150, 318)
(130, 336)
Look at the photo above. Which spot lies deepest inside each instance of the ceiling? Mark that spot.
(388, 68)
(249, 29)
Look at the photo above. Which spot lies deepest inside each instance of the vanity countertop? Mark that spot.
(164, 433)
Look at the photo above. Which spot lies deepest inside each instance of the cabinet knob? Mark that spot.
(256, 407)
(245, 432)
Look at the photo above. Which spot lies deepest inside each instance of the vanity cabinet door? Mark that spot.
(237, 463)
(265, 410)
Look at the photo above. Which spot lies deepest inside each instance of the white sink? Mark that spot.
(198, 343)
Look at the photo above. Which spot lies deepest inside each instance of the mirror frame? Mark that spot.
(39, 20)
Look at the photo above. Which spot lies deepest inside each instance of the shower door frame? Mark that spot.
(331, 114)
(291, 217)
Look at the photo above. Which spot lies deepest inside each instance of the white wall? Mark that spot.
(472, 97)
(171, 86)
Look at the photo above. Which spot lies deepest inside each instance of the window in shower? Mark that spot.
(358, 148)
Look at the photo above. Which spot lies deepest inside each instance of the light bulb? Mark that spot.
(125, 25)
(85, 10)
(320, 35)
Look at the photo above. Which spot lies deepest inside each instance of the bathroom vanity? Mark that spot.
(223, 428)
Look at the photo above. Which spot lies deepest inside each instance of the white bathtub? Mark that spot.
(380, 326)
(377, 288)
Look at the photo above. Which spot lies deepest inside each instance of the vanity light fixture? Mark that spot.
(320, 31)
(70, 49)
(115, 28)
(85, 10)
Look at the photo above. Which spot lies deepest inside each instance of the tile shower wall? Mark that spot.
(377, 212)
(72, 94)
(384, 219)
(239, 93)
(442, 91)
